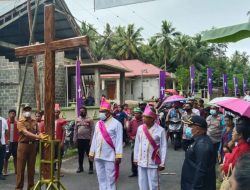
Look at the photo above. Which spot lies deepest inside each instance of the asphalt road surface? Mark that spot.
(84, 181)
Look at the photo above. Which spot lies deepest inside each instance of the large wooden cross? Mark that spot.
(49, 47)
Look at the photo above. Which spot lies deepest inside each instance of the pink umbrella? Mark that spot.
(239, 106)
(175, 98)
(172, 91)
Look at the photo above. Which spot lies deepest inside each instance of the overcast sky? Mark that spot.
(187, 16)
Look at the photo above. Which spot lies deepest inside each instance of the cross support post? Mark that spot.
(49, 47)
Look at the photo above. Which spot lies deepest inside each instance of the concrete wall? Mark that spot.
(10, 77)
(150, 88)
(9, 82)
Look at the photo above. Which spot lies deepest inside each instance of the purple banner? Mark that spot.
(192, 78)
(162, 80)
(78, 87)
(225, 89)
(235, 86)
(209, 81)
(244, 86)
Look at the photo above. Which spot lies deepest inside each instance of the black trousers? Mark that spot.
(134, 167)
(216, 148)
(83, 146)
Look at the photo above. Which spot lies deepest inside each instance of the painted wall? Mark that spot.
(150, 88)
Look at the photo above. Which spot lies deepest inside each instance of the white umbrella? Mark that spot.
(220, 99)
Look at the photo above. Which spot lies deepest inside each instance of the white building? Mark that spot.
(135, 89)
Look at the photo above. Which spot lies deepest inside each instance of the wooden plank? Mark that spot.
(49, 81)
(49, 77)
(31, 50)
(57, 45)
(37, 84)
(79, 41)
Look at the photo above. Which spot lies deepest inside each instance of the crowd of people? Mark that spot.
(210, 138)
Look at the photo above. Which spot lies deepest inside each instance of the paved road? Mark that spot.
(73, 181)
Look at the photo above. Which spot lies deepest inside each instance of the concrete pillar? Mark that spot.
(97, 87)
(174, 84)
(118, 98)
(103, 84)
(122, 88)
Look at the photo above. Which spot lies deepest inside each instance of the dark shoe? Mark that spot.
(133, 175)
(91, 171)
(2, 177)
(79, 170)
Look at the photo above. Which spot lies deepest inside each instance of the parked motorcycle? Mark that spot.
(175, 132)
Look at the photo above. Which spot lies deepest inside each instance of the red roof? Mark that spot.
(135, 66)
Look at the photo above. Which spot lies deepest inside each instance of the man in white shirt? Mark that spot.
(150, 151)
(3, 130)
(106, 148)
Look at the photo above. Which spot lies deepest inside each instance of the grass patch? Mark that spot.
(69, 153)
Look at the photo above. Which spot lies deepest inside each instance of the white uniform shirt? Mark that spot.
(143, 150)
(4, 129)
(100, 149)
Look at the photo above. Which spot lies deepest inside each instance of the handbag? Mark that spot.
(225, 185)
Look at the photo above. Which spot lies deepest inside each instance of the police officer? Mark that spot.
(198, 170)
(26, 151)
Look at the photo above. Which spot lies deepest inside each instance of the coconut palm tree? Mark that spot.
(107, 41)
(164, 39)
(182, 52)
(127, 41)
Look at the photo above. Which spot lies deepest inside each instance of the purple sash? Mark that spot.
(156, 155)
(108, 140)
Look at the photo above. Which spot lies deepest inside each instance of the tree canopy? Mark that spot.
(171, 50)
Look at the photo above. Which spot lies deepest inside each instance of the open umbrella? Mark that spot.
(239, 106)
(220, 99)
(175, 98)
(227, 34)
(172, 91)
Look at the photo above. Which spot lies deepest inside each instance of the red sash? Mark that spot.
(155, 156)
(108, 140)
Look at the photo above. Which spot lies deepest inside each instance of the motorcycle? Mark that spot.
(175, 132)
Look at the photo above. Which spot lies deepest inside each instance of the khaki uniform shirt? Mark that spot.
(29, 125)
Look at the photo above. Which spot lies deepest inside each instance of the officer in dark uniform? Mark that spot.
(198, 170)
(26, 151)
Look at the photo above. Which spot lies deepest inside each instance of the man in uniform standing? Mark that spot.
(106, 148)
(150, 150)
(12, 140)
(82, 137)
(132, 130)
(26, 151)
(215, 126)
(198, 170)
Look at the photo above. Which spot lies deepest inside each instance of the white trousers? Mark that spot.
(105, 171)
(148, 178)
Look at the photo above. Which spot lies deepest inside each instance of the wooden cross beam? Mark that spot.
(49, 47)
